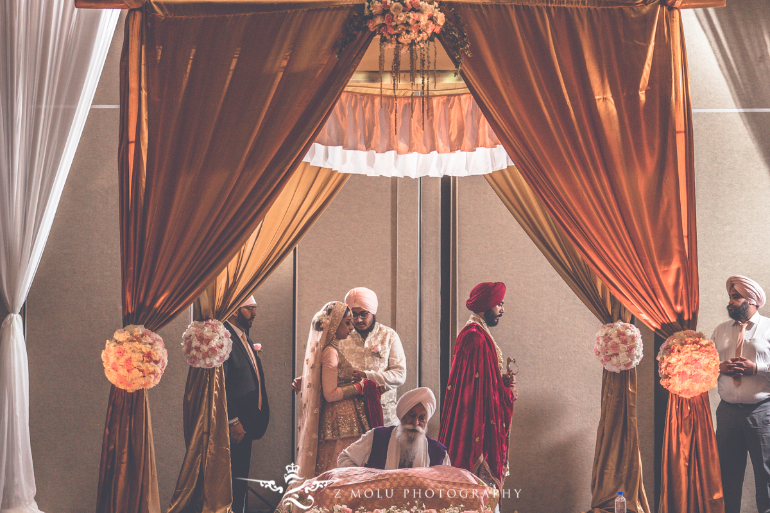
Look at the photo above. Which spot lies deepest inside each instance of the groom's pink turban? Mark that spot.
(485, 295)
(361, 297)
(747, 288)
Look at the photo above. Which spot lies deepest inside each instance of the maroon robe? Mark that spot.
(477, 409)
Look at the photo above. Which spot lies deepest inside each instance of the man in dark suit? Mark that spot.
(247, 409)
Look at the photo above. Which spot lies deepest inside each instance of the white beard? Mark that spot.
(410, 439)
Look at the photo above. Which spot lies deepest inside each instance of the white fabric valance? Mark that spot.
(412, 165)
(455, 140)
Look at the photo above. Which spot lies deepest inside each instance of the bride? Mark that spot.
(333, 412)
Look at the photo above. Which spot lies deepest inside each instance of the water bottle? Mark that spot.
(620, 503)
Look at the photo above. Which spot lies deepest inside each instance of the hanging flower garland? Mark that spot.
(206, 344)
(688, 364)
(134, 358)
(618, 346)
(410, 26)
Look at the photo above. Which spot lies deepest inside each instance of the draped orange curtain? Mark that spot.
(689, 437)
(299, 205)
(219, 103)
(204, 483)
(527, 209)
(588, 105)
(617, 460)
(591, 101)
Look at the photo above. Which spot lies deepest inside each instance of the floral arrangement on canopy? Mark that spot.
(396, 509)
(410, 25)
(688, 364)
(618, 346)
(134, 358)
(206, 344)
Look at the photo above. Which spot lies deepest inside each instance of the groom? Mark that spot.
(247, 409)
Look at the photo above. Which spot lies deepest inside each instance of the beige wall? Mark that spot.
(733, 179)
(368, 237)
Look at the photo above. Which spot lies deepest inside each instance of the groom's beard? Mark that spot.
(365, 333)
(409, 439)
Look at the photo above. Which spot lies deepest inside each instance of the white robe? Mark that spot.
(357, 453)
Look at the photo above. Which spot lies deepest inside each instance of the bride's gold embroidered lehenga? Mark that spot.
(342, 421)
(333, 414)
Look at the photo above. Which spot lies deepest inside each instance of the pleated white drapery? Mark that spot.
(51, 57)
(454, 139)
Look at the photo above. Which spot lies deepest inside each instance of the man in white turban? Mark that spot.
(743, 343)
(402, 446)
(374, 350)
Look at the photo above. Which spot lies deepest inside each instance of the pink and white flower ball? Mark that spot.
(134, 358)
(688, 364)
(618, 346)
(206, 344)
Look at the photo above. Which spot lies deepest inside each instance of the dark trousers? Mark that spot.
(742, 430)
(240, 460)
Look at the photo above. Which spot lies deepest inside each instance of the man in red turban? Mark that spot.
(477, 409)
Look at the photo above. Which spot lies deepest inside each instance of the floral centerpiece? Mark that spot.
(206, 344)
(618, 346)
(134, 358)
(403, 22)
(410, 25)
(688, 364)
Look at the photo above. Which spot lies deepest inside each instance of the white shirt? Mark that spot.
(357, 453)
(756, 347)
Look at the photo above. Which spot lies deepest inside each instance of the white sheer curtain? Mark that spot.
(51, 56)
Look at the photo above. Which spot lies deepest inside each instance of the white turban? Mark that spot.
(361, 297)
(747, 288)
(410, 399)
(249, 302)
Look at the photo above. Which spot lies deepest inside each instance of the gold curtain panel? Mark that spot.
(601, 132)
(307, 194)
(526, 208)
(617, 460)
(217, 111)
(690, 459)
(204, 484)
(128, 482)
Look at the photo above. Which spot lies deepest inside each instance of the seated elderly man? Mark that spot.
(402, 446)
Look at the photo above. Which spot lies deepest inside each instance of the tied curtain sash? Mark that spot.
(204, 482)
(218, 107)
(598, 121)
